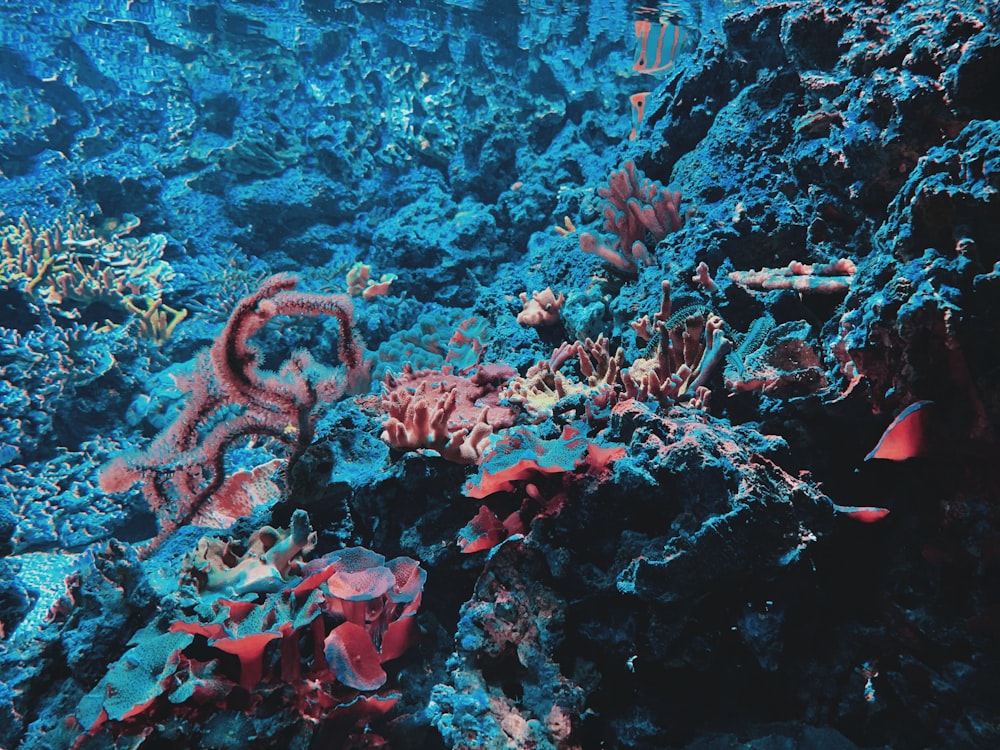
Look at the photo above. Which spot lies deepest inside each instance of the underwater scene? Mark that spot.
(456, 374)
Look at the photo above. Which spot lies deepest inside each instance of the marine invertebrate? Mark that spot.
(544, 389)
(445, 411)
(310, 638)
(361, 284)
(777, 359)
(43, 368)
(231, 397)
(821, 278)
(265, 566)
(640, 213)
(567, 228)
(542, 309)
(685, 348)
(71, 267)
(703, 276)
(682, 358)
(520, 461)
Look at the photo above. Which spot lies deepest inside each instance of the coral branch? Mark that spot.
(640, 213)
(825, 278)
(231, 398)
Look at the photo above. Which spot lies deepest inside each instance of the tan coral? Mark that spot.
(542, 309)
(685, 349)
(214, 566)
(821, 278)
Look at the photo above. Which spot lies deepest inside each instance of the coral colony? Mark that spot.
(457, 375)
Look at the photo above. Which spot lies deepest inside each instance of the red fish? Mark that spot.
(863, 514)
(907, 435)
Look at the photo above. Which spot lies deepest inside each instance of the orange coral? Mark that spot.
(361, 284)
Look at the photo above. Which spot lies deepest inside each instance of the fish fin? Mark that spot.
(906, 436)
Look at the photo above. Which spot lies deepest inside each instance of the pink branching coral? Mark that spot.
(544, 385)
(231, 397)
(682, 359)
(640, 213)
(445, 411)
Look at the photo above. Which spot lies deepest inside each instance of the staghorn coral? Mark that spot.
(44, 368)
(820, 278)
(70, 268)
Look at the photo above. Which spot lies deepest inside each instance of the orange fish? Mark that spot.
(658, 44)
(906, 436)
(638, 112)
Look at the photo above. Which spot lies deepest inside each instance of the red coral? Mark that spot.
(231, 397)
(521, 460)
(318, 641)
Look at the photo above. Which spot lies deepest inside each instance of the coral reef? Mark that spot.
(420, 411)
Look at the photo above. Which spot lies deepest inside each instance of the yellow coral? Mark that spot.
(74, 266)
